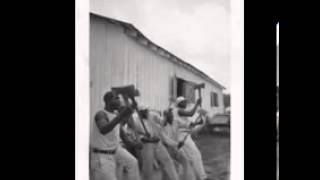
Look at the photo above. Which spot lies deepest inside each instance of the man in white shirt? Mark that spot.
(153, 151)
(170, 140)
(181, 115)
(106, 151)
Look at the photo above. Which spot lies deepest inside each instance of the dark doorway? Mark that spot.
(180, 87)
(186, 89)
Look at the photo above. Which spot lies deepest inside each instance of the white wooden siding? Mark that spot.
(117, 59)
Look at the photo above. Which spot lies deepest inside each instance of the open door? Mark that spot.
(173, 87)
(186, 89)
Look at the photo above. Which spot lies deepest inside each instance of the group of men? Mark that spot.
(131, 142)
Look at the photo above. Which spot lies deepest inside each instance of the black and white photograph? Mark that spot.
(159, 90)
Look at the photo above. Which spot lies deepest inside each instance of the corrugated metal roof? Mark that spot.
(137, 34)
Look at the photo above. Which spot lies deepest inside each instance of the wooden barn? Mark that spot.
(120, 55)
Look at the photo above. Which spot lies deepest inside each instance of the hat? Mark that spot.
(180, 99)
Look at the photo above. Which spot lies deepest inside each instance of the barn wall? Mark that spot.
(117, 59)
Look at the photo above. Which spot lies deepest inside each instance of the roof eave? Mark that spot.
(174, 57)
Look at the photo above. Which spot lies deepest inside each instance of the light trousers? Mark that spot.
(194, 154)
(157, 152)
(122, 165)
(187, 171)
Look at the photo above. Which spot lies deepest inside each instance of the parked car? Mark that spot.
(219, 123)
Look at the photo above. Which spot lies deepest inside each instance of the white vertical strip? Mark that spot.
(278, 33)
(237, 90)
(82, 91)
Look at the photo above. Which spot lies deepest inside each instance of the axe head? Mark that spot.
(129, 91)
(172, 99)
(199, 86)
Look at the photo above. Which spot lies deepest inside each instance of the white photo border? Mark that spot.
(237, 90)
(82, 123)
(82, 128)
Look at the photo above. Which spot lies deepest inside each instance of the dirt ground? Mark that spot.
(215, 150)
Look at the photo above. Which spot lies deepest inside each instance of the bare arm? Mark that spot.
(123, 135)
(105, 125)
(191, 112)
(136, 125)
(128, 141)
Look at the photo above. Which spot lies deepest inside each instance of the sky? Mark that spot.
(197, 31)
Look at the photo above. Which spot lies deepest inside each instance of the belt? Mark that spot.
(150, 140)
(104, 151)
(185, 131)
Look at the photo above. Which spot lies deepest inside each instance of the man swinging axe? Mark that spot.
(131, 92)
(192, 125)
(106, 151)
(152, 150)
(201, 114)
(181, 115)
(199, 87)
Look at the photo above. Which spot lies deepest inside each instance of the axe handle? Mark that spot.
(185, 138)
(125, 98)
(199, 92)
(170, 103)
(144, 126)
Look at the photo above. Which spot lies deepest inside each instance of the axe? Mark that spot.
(130, 92)
(196, 87)
(171, 101)
(199, 87)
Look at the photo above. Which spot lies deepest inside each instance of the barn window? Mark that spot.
(214, 99)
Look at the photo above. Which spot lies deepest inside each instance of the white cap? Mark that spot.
(180, 99)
